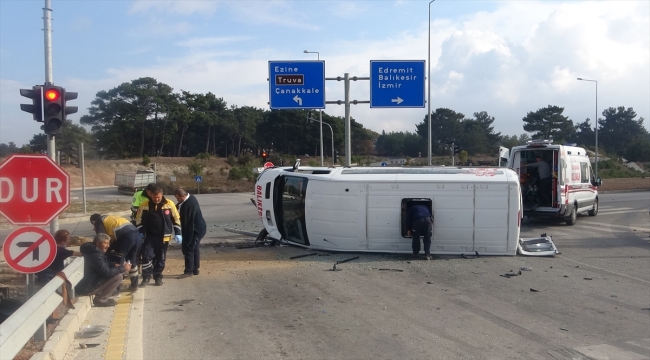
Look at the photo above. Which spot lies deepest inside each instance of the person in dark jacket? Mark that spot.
(419, 222)
(193, 230)
(125, 241)
(62, 238)
(101, 277)
(158, 220)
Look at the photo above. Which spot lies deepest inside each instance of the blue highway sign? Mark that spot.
(397, 84)
(297, 84)
(198, 178)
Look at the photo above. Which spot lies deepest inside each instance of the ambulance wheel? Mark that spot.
(594, 211)
(573, 216)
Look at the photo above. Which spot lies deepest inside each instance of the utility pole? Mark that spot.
(49, 80)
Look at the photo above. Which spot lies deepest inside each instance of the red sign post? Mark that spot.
(29, 249)
(33, 189)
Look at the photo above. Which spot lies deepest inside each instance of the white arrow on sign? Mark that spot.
(398, 100)
(298, 99)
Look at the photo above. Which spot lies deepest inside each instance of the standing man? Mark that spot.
(193, 230)
(419, 222)
(125, 241)
(158, 220)
(545, 181)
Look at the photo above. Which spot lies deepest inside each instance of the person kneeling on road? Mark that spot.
(101, 276)
(125, 241)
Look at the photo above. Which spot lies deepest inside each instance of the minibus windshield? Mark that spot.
(291, 208)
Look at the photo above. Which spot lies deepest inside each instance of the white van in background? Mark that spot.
(574, 189)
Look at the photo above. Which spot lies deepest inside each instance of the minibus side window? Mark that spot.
(584, 172)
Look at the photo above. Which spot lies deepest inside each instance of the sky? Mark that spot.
(507, 58)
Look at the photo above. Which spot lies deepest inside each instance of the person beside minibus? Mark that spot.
(419, 222)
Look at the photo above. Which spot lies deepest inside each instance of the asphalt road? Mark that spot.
(591, 300)
(257, 303)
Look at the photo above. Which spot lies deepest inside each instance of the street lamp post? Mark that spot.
(331, 130)
(429, 88)
(596, 119)
(320, 116)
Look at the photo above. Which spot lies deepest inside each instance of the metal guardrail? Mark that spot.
(16, 331)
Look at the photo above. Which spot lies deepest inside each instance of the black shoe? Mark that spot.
(159, 282)
(144, 282)
(196, 272)
(109, 302)
(184, 276)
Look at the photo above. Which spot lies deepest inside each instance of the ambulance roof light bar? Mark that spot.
(540, 142)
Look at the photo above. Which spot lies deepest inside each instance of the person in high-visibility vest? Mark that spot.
(125, 241)
(138, 198)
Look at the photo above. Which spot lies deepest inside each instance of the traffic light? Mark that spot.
(55, 109)
(456, 149)
(36, 108)
(264, 156)
(336, 156)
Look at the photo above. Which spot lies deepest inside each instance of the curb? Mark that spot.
(71, 219)
(80, 217)
(59, 342)
(622, 191)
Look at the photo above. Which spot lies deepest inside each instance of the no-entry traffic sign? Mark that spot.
(33, 189)
(29, 249)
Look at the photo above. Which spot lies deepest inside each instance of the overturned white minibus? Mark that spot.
(363, 209)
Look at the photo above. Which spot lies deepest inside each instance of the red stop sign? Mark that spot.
(33, 189)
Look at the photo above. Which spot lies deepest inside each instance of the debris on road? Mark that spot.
(540, 246)
(533, 290)
(526, 268)
(476, 256)
(90, 331)
(343, 261)
(510, 274)
(302, 256)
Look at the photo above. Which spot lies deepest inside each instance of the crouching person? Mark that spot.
(101, 277)
(125, 241)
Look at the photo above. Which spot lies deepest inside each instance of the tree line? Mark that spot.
(146, 117)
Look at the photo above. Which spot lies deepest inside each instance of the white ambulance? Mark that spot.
(364, 208)
(572, 188)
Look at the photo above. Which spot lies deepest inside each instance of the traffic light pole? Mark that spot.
(47, 29)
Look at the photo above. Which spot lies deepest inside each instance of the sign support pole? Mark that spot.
(348, 146)
(83, 175)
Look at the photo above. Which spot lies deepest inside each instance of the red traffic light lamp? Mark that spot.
(52, 94)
